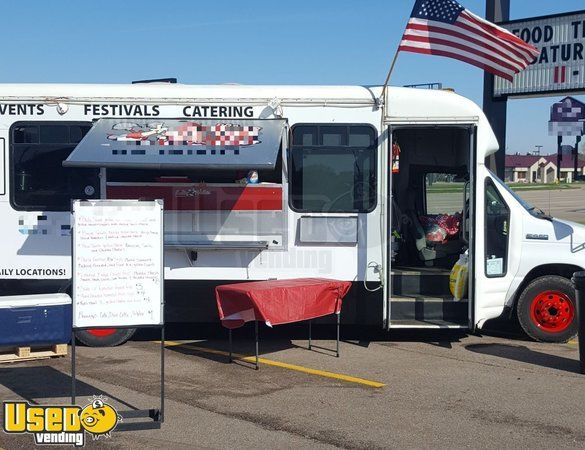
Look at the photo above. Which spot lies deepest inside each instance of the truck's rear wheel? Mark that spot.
(104, 337)
(547, 309)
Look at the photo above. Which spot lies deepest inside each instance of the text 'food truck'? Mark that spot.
(274, 182)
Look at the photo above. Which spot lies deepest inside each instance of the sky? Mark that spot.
(251, 42)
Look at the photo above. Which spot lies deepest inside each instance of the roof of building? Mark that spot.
(528, 160)
(567, 162)
(521, 160)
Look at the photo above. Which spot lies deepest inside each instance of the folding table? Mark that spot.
(276, 302)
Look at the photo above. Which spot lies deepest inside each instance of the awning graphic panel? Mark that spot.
(181, 144)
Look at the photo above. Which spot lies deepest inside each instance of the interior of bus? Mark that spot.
(430, 224)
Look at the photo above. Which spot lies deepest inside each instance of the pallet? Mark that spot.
(18, 354)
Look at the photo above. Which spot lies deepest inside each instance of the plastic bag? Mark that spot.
(435, 233)
(450, 223)
(458, 277)
(440, 227)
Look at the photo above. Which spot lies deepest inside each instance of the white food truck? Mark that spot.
(271, 182)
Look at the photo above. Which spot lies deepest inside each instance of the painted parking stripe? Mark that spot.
(282, 365)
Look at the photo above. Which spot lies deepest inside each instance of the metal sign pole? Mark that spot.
(576, 158)
(496, 108)
(161, 415)
(73, 375)
(559, 156)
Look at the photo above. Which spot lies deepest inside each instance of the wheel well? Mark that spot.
(563, 270)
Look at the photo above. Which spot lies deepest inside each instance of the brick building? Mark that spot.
(541, 168)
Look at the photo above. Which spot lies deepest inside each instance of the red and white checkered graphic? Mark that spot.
(189, 133)
(218, 135)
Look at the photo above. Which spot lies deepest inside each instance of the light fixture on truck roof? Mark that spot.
(156, 80)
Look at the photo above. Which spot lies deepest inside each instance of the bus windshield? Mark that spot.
(533, 210)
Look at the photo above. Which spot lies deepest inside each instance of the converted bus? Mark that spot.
(271, 182)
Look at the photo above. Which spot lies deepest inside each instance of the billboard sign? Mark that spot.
(560, 67)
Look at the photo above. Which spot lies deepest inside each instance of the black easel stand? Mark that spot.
(156, 414)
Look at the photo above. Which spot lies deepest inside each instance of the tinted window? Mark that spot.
(361, 137)
(76, 132)
(305, 135)
(23, 134)
(333, 136)
(54, 134)
(333, 168)
(38, 179)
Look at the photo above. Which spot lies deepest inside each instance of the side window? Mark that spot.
(444, 193)
(38, 179)
(497, 230)
(333, 168)
(2, 166)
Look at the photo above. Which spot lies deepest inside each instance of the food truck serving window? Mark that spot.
(333, 168)
(39, 182)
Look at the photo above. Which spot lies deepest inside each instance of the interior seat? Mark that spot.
(428, 252)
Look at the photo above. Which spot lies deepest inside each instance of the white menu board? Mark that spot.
(117, 263)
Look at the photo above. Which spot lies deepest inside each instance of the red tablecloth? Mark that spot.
(279, 301)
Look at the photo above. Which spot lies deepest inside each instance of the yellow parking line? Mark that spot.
(282, 365)
(573, 342)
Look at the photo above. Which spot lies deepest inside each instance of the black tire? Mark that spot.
(535, 289)
(118, 337)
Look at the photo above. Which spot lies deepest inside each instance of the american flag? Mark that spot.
(445, 28)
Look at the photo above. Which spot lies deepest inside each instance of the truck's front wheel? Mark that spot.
(547, 309)
(104, 337)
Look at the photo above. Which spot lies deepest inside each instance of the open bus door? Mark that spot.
(430, 178)
(499, 229)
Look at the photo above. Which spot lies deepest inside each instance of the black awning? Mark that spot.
(180, 144)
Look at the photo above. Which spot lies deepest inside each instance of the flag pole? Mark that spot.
(389, 74)
(381, 99)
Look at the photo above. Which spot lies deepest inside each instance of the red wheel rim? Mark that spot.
(552, 311)
(102, 332)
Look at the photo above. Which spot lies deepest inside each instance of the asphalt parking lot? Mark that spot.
(402, 390)
(409, 390)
